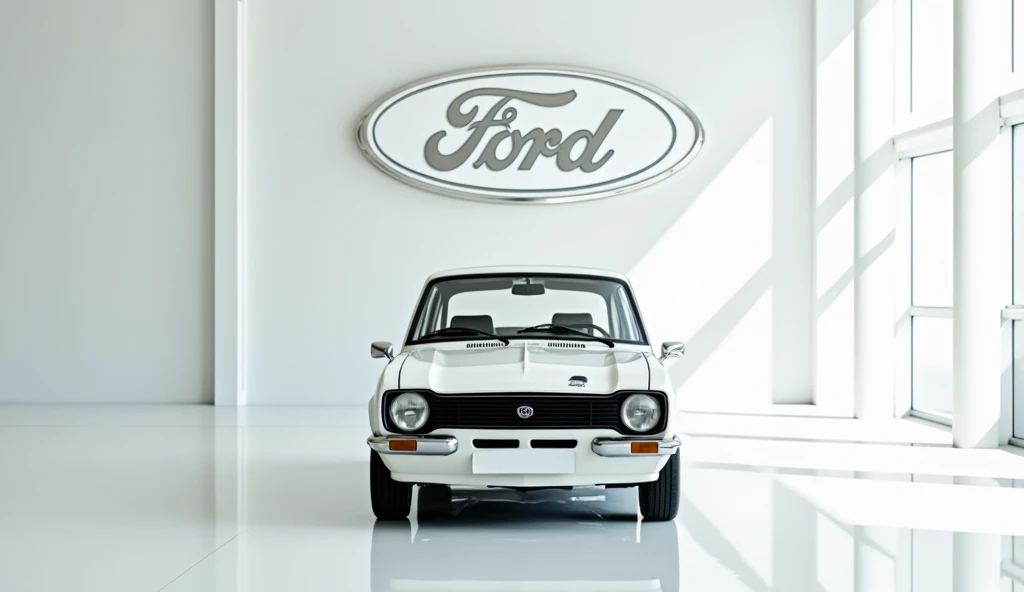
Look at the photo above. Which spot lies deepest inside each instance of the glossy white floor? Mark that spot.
(190, 499)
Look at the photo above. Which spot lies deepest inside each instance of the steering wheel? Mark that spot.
(590, 326)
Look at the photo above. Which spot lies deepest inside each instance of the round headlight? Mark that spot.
(409, 411)
(640, 412)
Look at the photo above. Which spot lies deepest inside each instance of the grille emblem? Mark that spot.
(526, 412)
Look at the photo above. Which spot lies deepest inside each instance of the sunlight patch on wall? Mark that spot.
(737, 372)
(835, 254)
(705, 262)
(834, 319)
(834, 120)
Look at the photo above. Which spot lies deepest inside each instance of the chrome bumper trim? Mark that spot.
(425, 445)
(620, 446)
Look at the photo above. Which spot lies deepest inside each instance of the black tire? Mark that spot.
(390, 499)
(435, 502)
(390, 544)
(659, 542)
(659, 500)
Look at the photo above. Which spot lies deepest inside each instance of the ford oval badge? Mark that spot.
(529, 134)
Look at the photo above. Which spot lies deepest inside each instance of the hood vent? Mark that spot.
(480, 344)
(567, 345)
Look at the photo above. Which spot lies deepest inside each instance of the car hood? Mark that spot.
(525, 368)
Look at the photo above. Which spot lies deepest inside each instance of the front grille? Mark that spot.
(500, 411)
(553, 443)
(480, 443)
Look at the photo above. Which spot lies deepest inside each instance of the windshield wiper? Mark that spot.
(563, 330)
(456, 331)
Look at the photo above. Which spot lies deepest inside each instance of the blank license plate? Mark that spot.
(524, 462)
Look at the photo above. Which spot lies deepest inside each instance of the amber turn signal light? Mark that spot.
(643, 447)
(402, 445)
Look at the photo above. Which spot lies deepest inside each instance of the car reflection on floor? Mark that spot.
(494, 539)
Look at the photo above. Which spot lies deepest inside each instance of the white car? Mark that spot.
(525, 378)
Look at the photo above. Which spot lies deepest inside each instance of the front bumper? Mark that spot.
(600, 458)
(445, 445)
(423, 445)
(634, 446)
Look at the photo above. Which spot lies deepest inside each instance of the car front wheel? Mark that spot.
(659, 500)
(390, 499)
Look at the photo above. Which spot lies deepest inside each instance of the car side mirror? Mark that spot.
(672, 349)
(382, 349)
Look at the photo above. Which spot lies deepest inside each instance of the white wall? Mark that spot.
(106, 201)
(721, 253)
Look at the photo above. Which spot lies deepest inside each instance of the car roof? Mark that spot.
(528, 270)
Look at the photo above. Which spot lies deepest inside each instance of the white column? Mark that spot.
(977, 557)
(977, 560)
(981, 227)
(873, 186)
(875, 553)
(229, 202)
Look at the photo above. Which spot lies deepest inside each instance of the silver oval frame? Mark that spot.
(362, 139)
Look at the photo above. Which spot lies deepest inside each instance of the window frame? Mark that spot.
(916, 311)
(1014, 313)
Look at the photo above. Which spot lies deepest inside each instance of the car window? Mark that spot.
(528, 310)
(625, 321)
(505, 304)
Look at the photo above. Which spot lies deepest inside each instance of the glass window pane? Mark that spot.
(506, 303)
(1018, 379)
(932, 365)
(931, 47)
(1018, 212)
(932, 229)
(509, 314)
(1018, 35)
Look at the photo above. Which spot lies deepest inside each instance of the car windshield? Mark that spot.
(518, 307)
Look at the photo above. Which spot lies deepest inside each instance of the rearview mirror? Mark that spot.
(382, 349)
(528, 289)
(672, 349)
